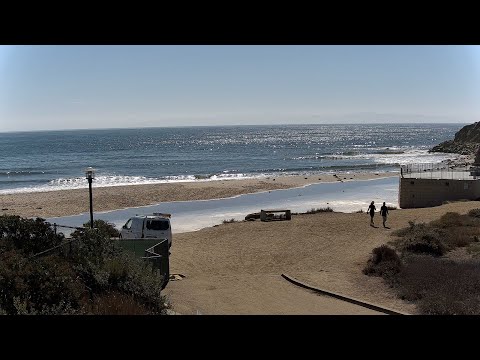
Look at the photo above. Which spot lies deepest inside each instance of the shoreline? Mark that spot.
(60, 203)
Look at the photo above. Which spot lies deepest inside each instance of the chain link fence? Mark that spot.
(438, 171)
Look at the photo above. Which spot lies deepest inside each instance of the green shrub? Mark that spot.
(38, 284)
(27, 235)
(95, 275)
(384, 262)
(105, 228)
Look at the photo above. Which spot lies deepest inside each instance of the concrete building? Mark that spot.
(424, 185)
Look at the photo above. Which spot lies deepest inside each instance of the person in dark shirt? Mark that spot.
(371, 211)
(384, 213)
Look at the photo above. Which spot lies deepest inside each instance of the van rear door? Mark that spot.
(157, 228)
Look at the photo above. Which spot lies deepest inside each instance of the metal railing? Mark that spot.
(437, 171)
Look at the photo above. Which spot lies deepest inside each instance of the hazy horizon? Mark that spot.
(233, 125)
(46, 88)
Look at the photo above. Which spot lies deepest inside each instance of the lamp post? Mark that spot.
(90, 175)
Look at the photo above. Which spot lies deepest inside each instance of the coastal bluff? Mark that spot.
(466, 141)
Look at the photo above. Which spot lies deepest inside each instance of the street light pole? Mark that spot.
(90, 175)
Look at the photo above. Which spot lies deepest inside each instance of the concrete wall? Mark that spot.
(414, 193)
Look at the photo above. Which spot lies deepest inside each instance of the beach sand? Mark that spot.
(236, 268)
(73, 202)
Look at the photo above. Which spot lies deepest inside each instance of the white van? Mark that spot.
(156, 226)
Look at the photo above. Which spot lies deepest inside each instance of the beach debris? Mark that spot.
(176, 277)
(269, 215)
(38, 208)
(5, 209)
(253, 216)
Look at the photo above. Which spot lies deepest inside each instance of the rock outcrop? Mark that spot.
(466, 141)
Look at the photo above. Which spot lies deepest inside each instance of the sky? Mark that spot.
(103, 86)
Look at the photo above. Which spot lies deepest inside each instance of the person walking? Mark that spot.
(371, 211)
(384, 213)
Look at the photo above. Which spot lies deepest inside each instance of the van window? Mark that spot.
(128, 225)
(157, 225)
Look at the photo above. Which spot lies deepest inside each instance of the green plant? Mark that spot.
(95, 276)
(101, 226)
(30, 236)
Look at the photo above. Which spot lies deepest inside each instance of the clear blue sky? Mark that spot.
(72, 87)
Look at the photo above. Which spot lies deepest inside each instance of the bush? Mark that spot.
(116, 303)
(420, 239)
(441, 287)
(384, 262)
(97, 275)
(452, 219)
(105, 228)
(27, 235)
(37, 285)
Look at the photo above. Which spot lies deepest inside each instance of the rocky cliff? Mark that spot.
(466, 142)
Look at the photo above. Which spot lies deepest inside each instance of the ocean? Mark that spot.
(56, 160)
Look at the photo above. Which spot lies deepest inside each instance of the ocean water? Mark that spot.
(55, 160)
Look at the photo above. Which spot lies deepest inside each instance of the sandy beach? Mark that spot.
(72, 202)
(236, 268)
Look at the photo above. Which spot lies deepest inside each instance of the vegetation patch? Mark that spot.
(90, 275)
(441, 287)
(420, 239)
(420, 274)
(315, 210)
(384, 262)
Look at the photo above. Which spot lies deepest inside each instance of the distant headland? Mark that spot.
(466, 141)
